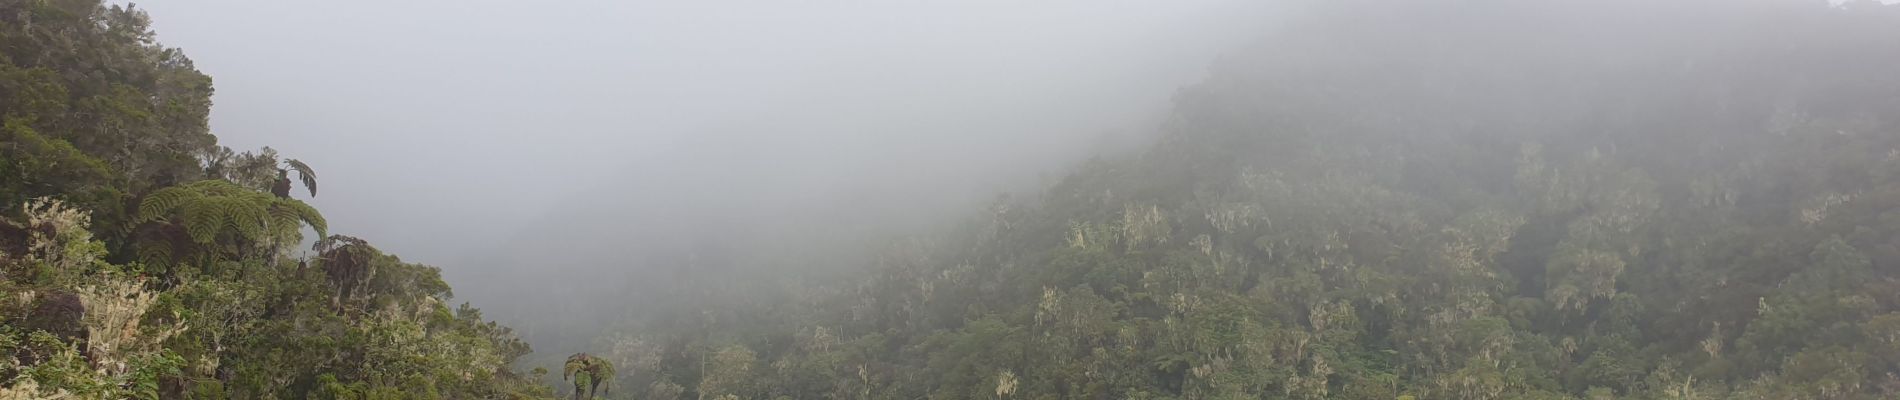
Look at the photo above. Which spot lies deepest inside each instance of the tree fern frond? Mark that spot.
(210, 218)
(304, 213)
(159, 204)
(203, 219)
(249, 217)
(574, 364)
(155, 255)
(288, 217)
(606, 369)
(304, 173)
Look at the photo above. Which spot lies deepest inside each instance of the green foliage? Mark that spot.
(94, 109)
(589, 374)
(1478, 200)
(305, 174)
(207, 209)
(1440, 200)
(97, 116)
(213, 220)
(39, 166)
(265, 333)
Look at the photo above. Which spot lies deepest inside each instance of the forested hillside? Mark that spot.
(139, 259)
(1379, 200)
(1684, 199)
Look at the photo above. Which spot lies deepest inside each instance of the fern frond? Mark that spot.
(604, 369)
(159, 204)
(304, 173)
(299, 211)
(203, 219)
(574, 364)
(204, 213)
(155, 255)
(248, 216)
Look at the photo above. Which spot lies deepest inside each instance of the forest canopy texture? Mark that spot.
(1386, 200)
(140, 260)
(1378, 200)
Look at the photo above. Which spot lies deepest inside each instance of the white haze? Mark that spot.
(496, 137)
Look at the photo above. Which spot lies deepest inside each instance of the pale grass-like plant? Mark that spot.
(68, 246)
(113, 309)
(1142, 224)
(1005, 384)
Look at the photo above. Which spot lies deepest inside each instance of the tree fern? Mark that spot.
(160, 204)
(588, 372)
(575, 363)
(156, 254)
(203, 219)
(247, 217)
(305, 174)
(288, 213)
(215, 214)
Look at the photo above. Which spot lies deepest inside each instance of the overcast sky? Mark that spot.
(444, 130)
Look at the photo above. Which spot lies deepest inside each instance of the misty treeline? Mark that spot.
(1686, 199)
(141, 260)
(1481, 199)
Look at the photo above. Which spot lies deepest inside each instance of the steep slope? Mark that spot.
(1684, 199)
(139, 259)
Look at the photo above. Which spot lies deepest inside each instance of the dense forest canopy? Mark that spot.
(139, 259)
(1477, 199)
(1393, 200)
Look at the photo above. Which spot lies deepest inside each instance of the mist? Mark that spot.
(545, 155)
(1337, 199)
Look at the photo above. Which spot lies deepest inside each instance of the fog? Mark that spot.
(1298, 199)
(538, 152)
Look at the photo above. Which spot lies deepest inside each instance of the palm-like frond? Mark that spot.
(575, 363)
(160, 204)
(288, 214)
(604, 373)
(209, 210)
(588, 370)
(155, 254)
(305, 174)
(606, 369)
